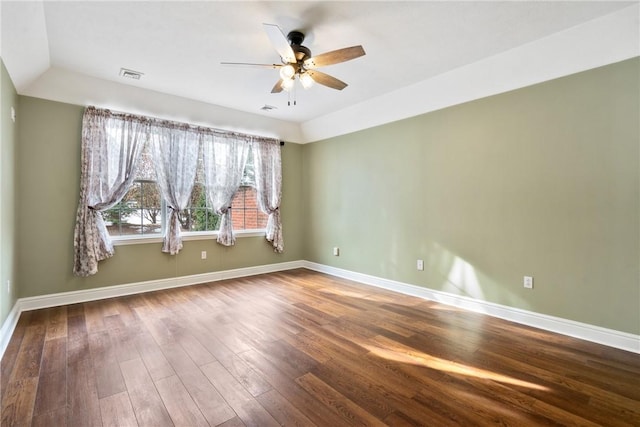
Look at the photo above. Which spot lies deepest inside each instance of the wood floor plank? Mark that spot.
(145, 400)
(57, 418)
(233, 422)
(290, 390)
(289, 360)
(242, 402)
(125, 307)
(208, 398)
(93, 316)
(196, 351)
(246, 376)
(351, 413)
(76, 327)
(152, 356)
(102, 352)
(11, 353)
(117, 411)
(282, 410)
(54, 356)
(27, 364)
(52, 392)
(109, 379)
(178, 358)
(302, 348)
(375, 399)
(108, 376)
(57, 323)
(83, 406)
(18, 401)
(135, 374)
(181, 407)
(123, 341)
(378, 371)
(199, 327)
(310, 345)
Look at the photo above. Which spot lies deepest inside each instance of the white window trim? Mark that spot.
(186, 236)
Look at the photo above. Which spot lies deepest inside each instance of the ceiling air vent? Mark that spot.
(130, 74)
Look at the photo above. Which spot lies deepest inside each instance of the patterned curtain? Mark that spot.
(268, 174)
(224, 158)
(174, 149)
(111, 147)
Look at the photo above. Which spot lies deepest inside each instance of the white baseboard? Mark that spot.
(8, 327)
(608, 337)
(73, 297)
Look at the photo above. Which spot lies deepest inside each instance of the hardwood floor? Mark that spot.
(302, 348)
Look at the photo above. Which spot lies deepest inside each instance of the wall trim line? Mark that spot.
(584, 331)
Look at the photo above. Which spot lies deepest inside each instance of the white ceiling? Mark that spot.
(179, 45)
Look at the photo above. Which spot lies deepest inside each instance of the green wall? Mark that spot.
(8, 133)
(542, 181)
(48, 186)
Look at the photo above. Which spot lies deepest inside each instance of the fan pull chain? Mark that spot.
(295, 96)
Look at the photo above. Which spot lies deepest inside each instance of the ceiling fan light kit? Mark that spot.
(306, 80)
(298, 62)
(287, 71)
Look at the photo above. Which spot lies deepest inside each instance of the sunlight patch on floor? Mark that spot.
(388, 297)
(398, 353)
(343, 292)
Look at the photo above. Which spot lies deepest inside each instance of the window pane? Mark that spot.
(245, 212)
(139, 212)
(151, 207)
(198, 216)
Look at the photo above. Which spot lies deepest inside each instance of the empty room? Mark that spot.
(319, 213)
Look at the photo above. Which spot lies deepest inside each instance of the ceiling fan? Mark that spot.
(298, 62)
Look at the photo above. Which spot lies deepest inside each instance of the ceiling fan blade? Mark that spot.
(326, 80)
(280, 43)
(334, 57)
(247, 64)
(277, 88)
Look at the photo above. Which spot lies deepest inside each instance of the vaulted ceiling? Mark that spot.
(179, 45)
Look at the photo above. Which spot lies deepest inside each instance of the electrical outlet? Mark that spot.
(528, 282)
(336, 251)
(203, 255)
(420, 265)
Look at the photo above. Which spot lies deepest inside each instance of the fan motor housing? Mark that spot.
(295, 40)
(295, 37)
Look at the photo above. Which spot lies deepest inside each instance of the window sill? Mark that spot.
(210, 235)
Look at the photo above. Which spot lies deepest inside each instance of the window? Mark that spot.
(113, 144)
(142, 211)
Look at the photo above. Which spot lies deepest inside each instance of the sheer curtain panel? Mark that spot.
(174, 150)
(268, 174)
(225, 157)
(111, 147)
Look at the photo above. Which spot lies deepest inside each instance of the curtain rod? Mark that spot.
(189, 125)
